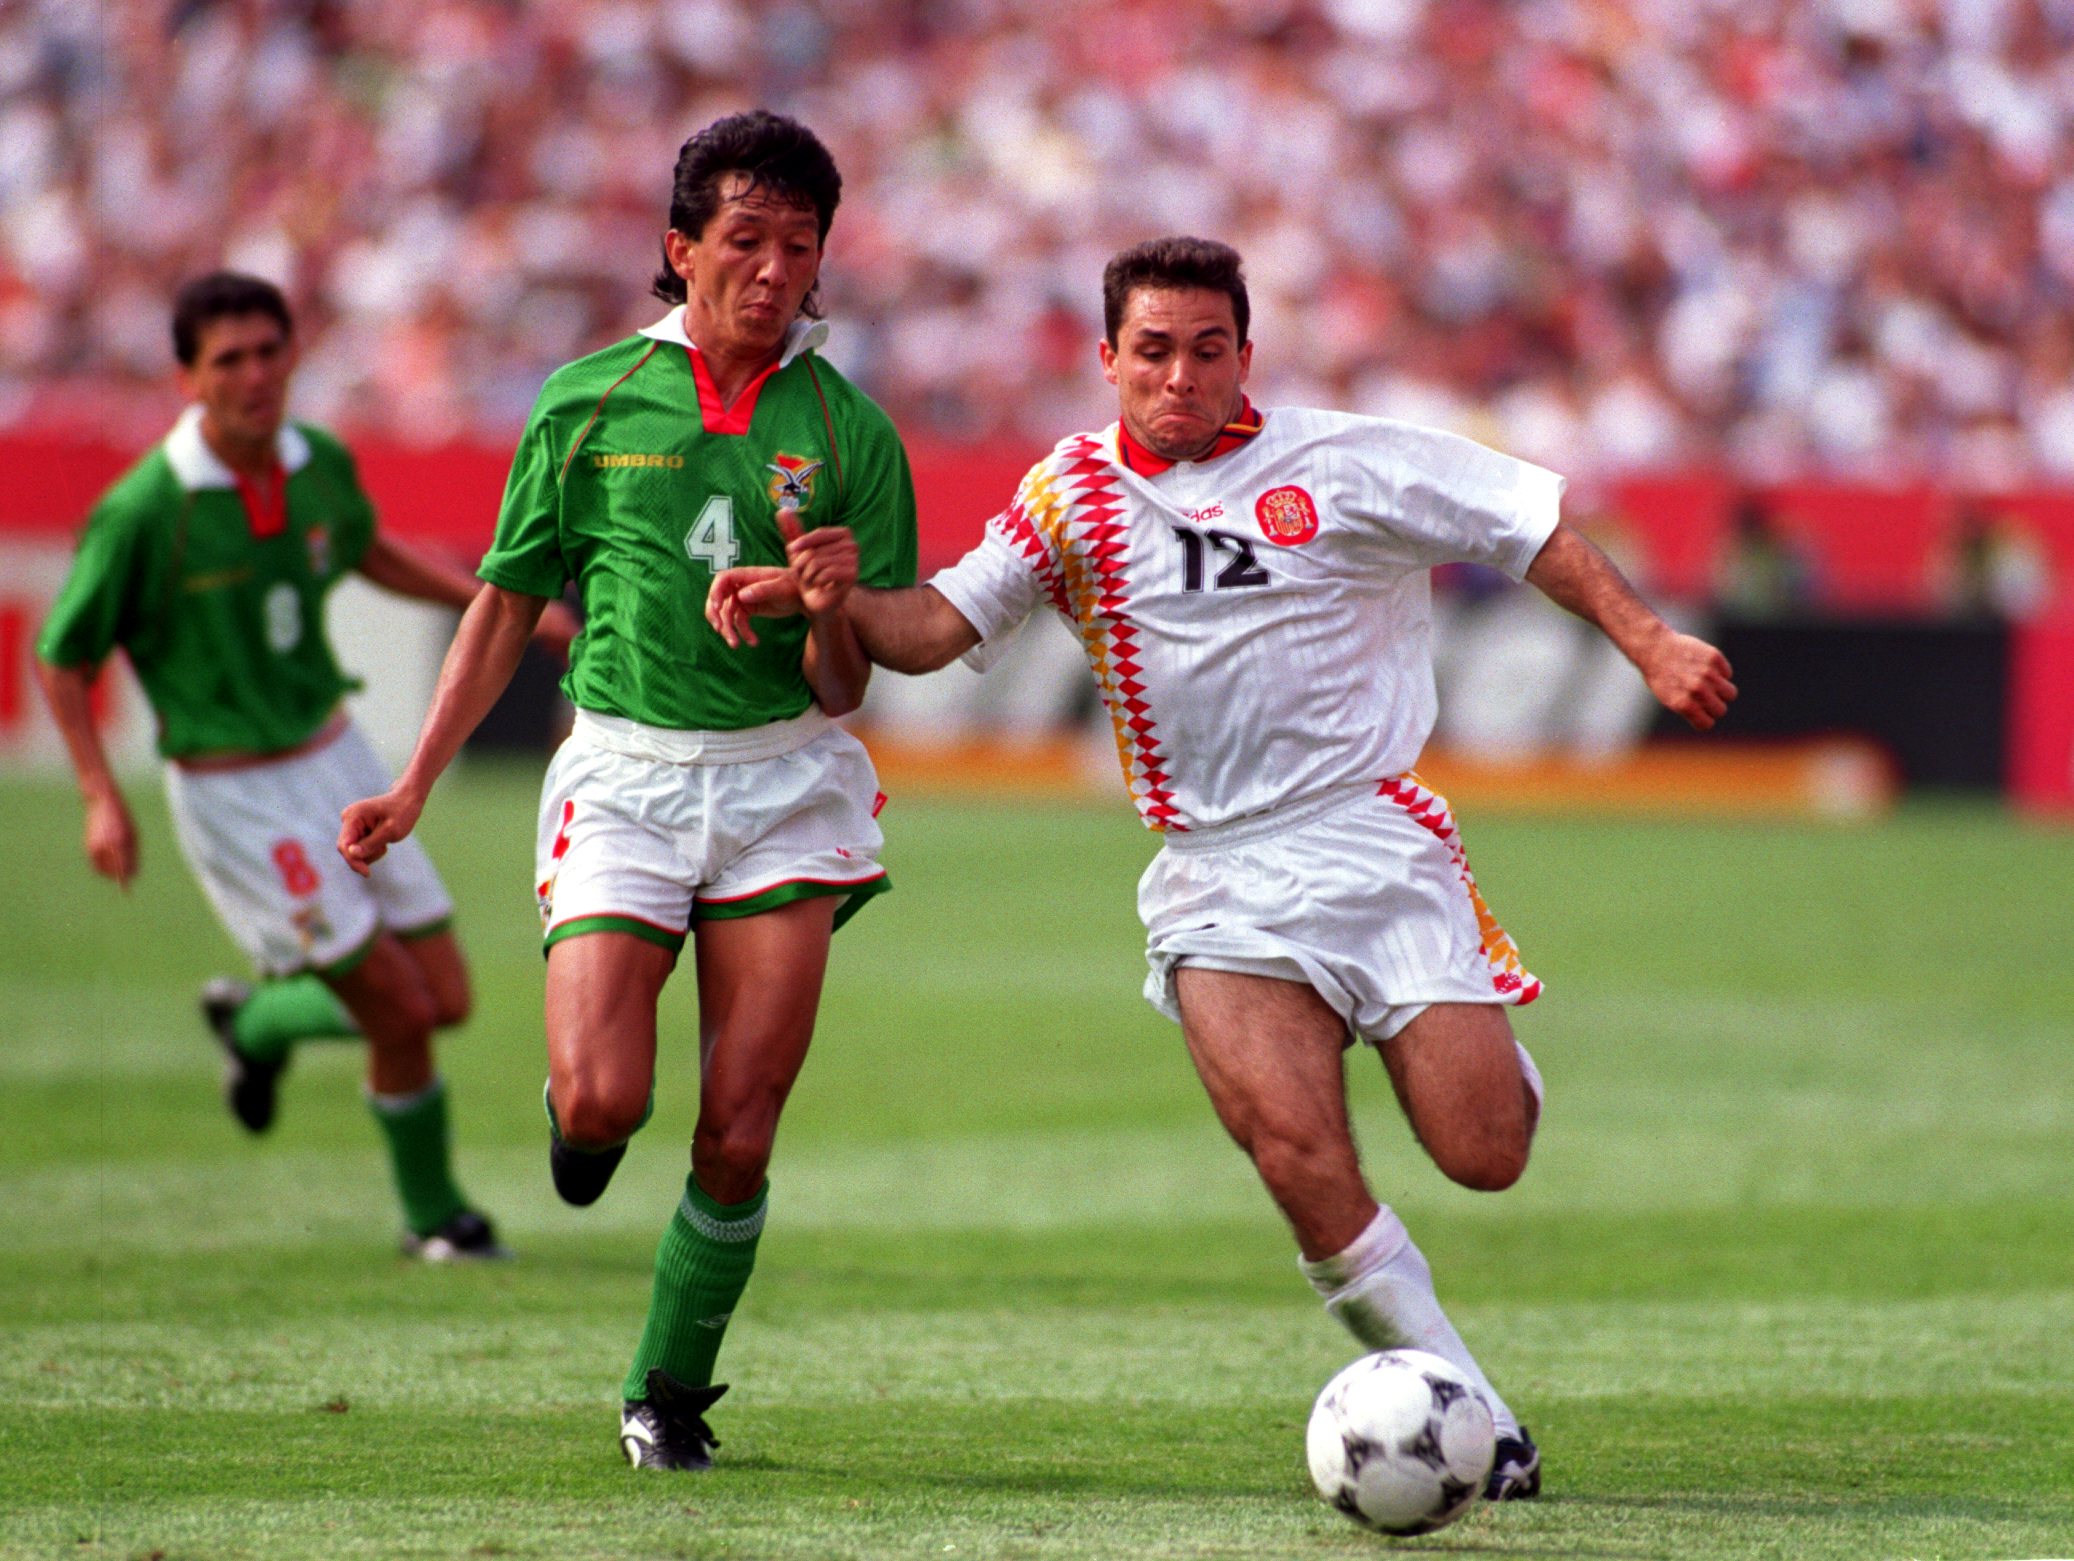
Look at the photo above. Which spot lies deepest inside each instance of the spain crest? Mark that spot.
(792, 480)
(1287, 516)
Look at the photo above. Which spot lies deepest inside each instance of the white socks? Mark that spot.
(1381, 1289)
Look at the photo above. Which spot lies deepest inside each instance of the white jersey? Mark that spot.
(1260, 622)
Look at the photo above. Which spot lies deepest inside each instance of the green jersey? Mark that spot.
(633, 482)
(217, 591)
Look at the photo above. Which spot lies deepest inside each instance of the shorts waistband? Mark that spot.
(1258, 826)
(668, 745)
(214, 763)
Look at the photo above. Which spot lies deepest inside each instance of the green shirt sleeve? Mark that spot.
(879, 503)
(526, 553)
(97, 608)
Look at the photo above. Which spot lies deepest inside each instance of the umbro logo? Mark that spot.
(608, 462)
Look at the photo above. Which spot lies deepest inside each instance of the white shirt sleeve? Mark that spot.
(995, 589)
(1447, 499)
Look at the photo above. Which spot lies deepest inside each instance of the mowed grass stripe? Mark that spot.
(1134, 1352)
(1039, 1479)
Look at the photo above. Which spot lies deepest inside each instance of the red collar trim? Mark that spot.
(1142, 461)
(266, 501)
(728, 420)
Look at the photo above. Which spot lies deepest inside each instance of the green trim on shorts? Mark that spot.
(855, 894)
(647, 932)
(431, 929)
(350, 962)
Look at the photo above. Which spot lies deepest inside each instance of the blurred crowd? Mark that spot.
(1792, 235)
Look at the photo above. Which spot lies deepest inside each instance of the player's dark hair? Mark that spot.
(216, 296)
(781, 157)
(1171, 263)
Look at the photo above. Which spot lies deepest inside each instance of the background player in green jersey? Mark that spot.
(209, 563)
(701, 794)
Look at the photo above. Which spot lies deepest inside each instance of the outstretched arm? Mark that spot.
(425, 577)
(1688, 676)
(911, 630)
(478, 665)
(111, 834)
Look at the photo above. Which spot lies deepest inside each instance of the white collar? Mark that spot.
(197, 466)
(802, 335)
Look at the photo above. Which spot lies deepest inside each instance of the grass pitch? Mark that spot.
(1792, 1274)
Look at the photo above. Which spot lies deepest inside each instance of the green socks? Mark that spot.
(420, 1155)
(701, 1269)
(280, 1013)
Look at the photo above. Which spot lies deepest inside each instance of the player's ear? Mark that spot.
(677, 250)
(1108, 356)
(1245, 360)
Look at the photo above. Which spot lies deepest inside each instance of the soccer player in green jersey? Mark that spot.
(702, 795)
(209, 563)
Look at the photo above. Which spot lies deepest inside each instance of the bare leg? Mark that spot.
(445, 974)
(1457, 1075)
(759, 989)
(759, 986)
(601, 993)
(1269, 1053)
(387, 996)
(397, 1009)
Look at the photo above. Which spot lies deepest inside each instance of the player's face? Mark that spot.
(240, 377)
(1177, 367)
(747, 274)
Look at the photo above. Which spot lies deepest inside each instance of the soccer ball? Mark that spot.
(1400, 1441)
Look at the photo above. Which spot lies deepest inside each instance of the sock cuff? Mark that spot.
(1384, 1237)
(717, 1221)
(405, 1105)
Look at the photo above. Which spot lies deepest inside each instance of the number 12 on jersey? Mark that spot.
(711, 539)
(1240, 569)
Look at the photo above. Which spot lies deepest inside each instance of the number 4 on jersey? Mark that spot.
(711, 540)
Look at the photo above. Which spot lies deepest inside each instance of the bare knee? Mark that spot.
(1462, 1081)
(438, 959)
(400, 1017)
(1490, 1160)
(593, 1111)
(452, 1005)
(729, 1155)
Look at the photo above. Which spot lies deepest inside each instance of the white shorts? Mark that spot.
(263, 841)
(1364, 895)
(633, 842)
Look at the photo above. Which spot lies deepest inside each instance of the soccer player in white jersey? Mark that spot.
(1251, 589)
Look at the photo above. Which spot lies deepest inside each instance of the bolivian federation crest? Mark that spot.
(792, 480)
